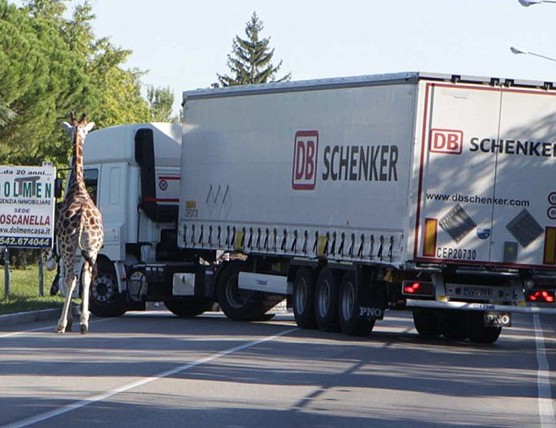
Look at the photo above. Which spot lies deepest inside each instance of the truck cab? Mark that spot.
(136, 168)
(133, 174)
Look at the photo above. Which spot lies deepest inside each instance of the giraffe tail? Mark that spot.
(92, 263)
(52, 258)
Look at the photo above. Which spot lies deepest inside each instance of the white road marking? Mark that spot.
(16, 333)
(124, 388)
(546, 409)
(50, 327)
(545, 401)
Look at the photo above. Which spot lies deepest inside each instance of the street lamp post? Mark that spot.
(519, 51)
(527, 3)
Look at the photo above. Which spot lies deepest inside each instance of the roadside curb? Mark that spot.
(29, 317)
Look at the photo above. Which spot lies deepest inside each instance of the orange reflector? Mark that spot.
(238, 241)
(429, 237)
(550, 246)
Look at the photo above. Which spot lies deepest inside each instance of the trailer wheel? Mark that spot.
(188, 307)
(105, 300)
(239, 305)
(454, 325)
(348, 308)
(477, 332)
(427, 323)
(326, 300)
(304, 299)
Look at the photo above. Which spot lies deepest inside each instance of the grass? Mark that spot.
(24, 291)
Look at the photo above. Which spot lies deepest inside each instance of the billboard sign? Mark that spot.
(27, 206)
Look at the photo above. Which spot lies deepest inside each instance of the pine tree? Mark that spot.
(251, 58)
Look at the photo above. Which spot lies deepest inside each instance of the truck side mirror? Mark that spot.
(58, 186)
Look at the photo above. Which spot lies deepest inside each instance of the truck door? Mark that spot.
(525, 206)
(486, 186)
(457, 179)
(113, 204)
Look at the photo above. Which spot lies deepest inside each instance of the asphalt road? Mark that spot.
(154, 370)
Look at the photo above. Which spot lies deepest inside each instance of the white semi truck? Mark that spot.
(350, 197)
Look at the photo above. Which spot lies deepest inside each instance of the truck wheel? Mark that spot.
(304, 299)
(239, 305)
(188, 307)
(477, 332)
(348, 308)
(265, 317)
(104, 298)
(454, 325)
(427, 323)
(326, 300)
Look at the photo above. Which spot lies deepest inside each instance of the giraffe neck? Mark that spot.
(77, 181)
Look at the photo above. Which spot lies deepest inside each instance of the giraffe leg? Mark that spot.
(70, 312)
(70, 318)
(70, 285)
(87, 277)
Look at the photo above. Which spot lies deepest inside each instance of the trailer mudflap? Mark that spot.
(368, 312)
(498, 319)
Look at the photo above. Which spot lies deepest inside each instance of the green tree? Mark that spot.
(115, 95)
(161, 101)
(52, 10)
(251, 58)
(16, 57)
(39, 78)
(119, 89)
(52, 64)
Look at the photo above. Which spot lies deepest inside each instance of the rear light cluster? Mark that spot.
(417, 288)
(540, 296)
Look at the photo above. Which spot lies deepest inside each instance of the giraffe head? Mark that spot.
(79, 127)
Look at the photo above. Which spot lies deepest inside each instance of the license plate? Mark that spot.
(477, 292)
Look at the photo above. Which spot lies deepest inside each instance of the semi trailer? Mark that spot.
(347, 197)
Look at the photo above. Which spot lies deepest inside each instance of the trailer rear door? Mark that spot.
(487, 188)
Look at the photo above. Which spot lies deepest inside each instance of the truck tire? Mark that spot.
(304, 299)
(188, 307)
(351, 323)
(326, 300)
(239, 305)
(427, 323)
(454, 325)
(477, 332)
(105, 300)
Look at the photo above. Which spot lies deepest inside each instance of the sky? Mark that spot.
(184, 44)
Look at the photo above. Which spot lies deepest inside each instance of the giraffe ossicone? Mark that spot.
(78, 227)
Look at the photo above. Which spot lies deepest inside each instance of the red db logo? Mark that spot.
(448, 141)
(304, 172)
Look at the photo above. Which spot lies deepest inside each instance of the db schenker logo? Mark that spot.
(305, 151)
(449, 141)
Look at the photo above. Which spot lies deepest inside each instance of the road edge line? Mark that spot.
(546, 409)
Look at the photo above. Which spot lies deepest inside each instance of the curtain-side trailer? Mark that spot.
(355, 196)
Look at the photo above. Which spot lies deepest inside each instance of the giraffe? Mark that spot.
(79, 226)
